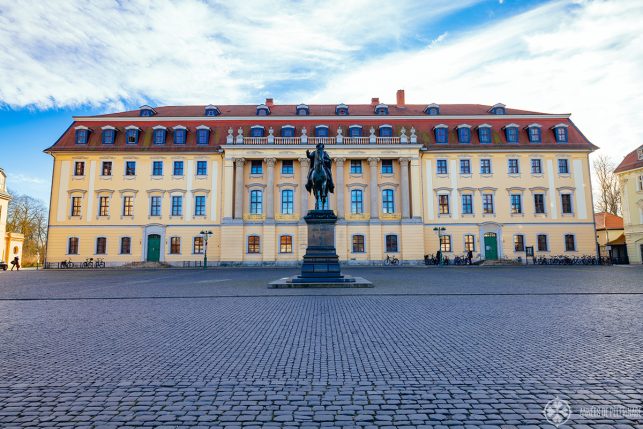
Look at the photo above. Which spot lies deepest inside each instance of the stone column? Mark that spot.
(270, 189)
(404, 177)
(339, 186)
(304, 164)
(238, 188)
(375, 210)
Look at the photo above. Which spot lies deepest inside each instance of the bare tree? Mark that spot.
(28, 216)
(609, 194)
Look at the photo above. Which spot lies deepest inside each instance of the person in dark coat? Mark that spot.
(470, 256)
(15, 264)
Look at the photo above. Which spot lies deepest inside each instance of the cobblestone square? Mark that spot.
(426, 347)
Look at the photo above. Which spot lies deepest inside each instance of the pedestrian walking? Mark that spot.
(469, 257)
(15, 264)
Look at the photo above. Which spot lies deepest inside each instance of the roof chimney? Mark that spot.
(400, 98)
(375, 101)
(269, 102)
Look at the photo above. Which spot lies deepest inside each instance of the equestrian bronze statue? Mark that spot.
(320, 178)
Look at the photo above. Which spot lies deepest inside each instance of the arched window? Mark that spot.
(287, 201)
(355, 131)
(211, 110)
(256, 202)
(303, 110)
(321, 131)
(146, 111)
(287, 131)
(357, 201)
(341, 110)
(432, 109)
(381, 109)
(263, 110)
(386, 131)
(256, 131)
(388, 201)
(498, 109)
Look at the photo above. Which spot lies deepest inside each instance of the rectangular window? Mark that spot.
(441, 135)
(534, 134)
(79, 168)
(106, 169)
(484, 134)
(201, 168)
(465, 166)
(287, 167)
(570, 243)
(101, 245)
(126, 245)
(75, 206)
(487, 203)
(516, 203)
(256, 202)
(175, 245)
(81, 136)
(254, 244)
(103, 206)
(563, 166)
(442, 166)
(443, 203)
(177, 205)
(387, 166)
(445, 243)
(108, 136)
(180, 136)
(197, 247)
(566, 202)
(388, 201)
(467, 204)
(356, 166)
(130, 168)
(640, 183)
(542, 243)
(512, 134)
(357, 203)
(159, 136)
(131, 136)
(539, 203)
(391, 243)
(157, 168)
(519, 243)
(202, 136)
(469, 242)
(561, 135)
(358, 244)
(485, 166)
(72, 246)
(155, 206)
(536, 166)
(178, 168)
(128, 206)
(513, 166)
(464, 135)
(287, 201)
(256, 167)
(199, 205)
(285, 244)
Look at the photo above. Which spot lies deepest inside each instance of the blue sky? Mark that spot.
(77, 58)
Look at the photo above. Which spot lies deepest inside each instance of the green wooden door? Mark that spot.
(490, 246)
(153, 247)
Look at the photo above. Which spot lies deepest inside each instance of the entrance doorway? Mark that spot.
(153, 247)
(490, 246)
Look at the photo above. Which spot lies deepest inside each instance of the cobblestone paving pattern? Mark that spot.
(318, 361)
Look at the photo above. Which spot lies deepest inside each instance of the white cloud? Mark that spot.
(585, 59)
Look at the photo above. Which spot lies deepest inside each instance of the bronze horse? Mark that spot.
(320, 180)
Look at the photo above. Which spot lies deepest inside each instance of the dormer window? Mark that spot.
(180, 134)
(441, 134)
(287, 131)
(381, 109)
(640, 153)
(211, 110)
(202, 134)
(146, 111)
(511, 133)
(303, 110)
(321, 131)
(464, 133)
(386, 131)
(82, 135)
(534, 133)
(158, 135)
(263, 110)
(484, 133)
(341, 110)
(560, 131)
(432, 109)
(256, 131)
(355, 131)
(131, 134)
(108, 134)
(498, 109)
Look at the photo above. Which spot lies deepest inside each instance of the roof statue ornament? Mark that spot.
(230, 138)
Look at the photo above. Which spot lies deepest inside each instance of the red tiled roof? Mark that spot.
(630, 162)
(606, 220)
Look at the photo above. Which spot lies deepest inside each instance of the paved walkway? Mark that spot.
(439, 347)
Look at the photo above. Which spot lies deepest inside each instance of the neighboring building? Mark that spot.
(142, 185)
(11, 241)
(611, 237)
(630, 176)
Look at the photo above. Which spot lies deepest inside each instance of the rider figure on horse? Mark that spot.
(327, 164)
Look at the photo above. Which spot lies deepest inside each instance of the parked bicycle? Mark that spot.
(66, 264)
(100, 263)
(391, 261)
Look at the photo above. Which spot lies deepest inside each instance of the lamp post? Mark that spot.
(439, 230)
(205, 234)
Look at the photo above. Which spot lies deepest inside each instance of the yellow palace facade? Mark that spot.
(143, 185)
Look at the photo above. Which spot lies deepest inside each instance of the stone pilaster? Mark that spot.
(304, 165)
(238, 188)
(404, 187)
(375, 210)
(270, 189)
(339, 186)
